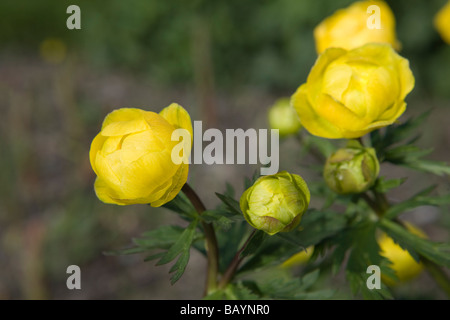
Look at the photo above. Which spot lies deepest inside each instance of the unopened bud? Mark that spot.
(351, 170)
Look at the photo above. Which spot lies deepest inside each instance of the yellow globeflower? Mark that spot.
(442, 22)
(350, 93)
(405, 267)
(361, 23)
(132, 156)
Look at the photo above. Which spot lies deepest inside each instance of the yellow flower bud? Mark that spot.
(276, 202)
(350, 93)
(442, 22)
(351, 170)
(132, 156)
(404, 265)
(356, 25)
(283, 117)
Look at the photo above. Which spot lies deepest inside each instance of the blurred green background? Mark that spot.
(226, 62)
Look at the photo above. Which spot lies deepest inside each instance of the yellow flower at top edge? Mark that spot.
(132, 156)
(356, 25)
(349, 93)
(442, 22)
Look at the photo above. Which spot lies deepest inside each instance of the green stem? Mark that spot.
(237, 259)
(211, 241)
(380, 206)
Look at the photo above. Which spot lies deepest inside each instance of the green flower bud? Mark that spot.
(351, 170)
(275, 203)
(283, 117)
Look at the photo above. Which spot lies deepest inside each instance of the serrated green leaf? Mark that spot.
(126, 251)
(405, 154)
(162, 238)
(414, 202)
(183, 244)
(221, 217)
(324, 146)
(435, 167)
(182, 205)
(154, 256)
(230, 203)
(254, 244)
(239, 292)
(396, 133)
(179, 267)
(382, 185)
(309, 279)
(316, 226)
(436, 252)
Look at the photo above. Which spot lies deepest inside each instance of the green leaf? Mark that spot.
(416, 201)
(182, 205)
(396, 133)
(182, 244)
(239, 292)
(126, 251)
(435, 167)
(382, 185)
(316, 226)
(283, 286)
(255, 243)
(162, 238)
(230, 203)
(180, 248)
(229, 242)
(360, 245)
(249, 182)
(324, 146)
(405, 154)
(221, 217)
(436, 252)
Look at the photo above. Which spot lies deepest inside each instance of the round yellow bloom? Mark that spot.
(404, 265)
(132, 156)
(350, 93)
(284, 118)
(442, 22)
(356, 25)
(275, 202)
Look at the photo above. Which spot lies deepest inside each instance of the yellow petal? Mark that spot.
(406, 77)
(121, 128)
(332, 110)
(139, 144)
(105, 193)
(177, 116)
(177, 182)
(122, 114)
(309, 118)
(96, 146)
(146, 174)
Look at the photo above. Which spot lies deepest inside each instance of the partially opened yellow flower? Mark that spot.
(357, 25)
(442, 22)
(350, 93)
(132, 156)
